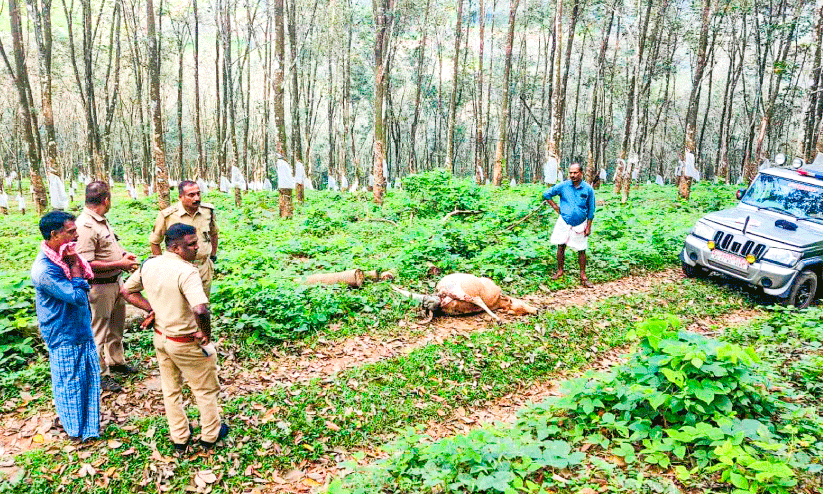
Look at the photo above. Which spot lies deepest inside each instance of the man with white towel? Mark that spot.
(574, 224)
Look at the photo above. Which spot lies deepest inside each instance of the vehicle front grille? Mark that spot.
(739, 245)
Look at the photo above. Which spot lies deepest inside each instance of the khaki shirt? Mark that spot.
(172, 286)
(203, 221)
(97, 242)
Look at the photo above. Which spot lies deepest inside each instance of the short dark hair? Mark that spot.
(182, 185)
(54, 221)
(97, 192)
(578, 165)
(176, 232)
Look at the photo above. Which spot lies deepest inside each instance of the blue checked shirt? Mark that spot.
(576, 203)
(62, 305)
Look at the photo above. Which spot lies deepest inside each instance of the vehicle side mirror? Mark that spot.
(740, 193)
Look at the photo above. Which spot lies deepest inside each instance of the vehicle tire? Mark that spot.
(803, 290)
(695, 271)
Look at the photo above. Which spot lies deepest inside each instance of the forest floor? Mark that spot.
(316, 381)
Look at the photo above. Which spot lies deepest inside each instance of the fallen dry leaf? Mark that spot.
(204, 478)
(85, 470)
(113, 444)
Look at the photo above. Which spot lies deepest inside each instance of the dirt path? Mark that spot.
(309, 477)
(325, 361)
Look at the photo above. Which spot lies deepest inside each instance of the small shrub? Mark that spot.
(437, 192)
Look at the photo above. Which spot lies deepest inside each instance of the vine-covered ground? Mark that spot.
(316, 379)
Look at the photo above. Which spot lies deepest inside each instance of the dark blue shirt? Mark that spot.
(576, 203)
(62, 305)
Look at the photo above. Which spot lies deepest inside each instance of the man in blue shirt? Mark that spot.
(574, 224)
(61, 288)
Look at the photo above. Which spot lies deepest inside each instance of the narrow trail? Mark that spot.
(310, 477)
(324, 361)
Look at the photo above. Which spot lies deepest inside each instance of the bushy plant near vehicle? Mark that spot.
(685, 406)
(792, 343)
(693, 403)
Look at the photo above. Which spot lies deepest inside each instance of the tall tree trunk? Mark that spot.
(502, 140)
(750, 169)
(286, 204)
(458, 30)
(296, 143)
(180, 107)
(201, 161)
(40, 16)
(161, 180)
(554, 141)
(591, 161)
(630, 152)
(805, 143)
(567, 63)
(421, 55)
(689, 145)
(20, 76)
(479, 144)
(383, 19)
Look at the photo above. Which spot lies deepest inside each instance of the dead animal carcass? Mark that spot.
(462, 293)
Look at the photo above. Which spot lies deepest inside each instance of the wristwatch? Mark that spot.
(213, 258)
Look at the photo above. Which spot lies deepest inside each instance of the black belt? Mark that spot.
(104, 281)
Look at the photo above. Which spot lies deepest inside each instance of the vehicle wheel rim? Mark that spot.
(804, 294)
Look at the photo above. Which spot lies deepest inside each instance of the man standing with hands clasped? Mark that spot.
(178, 307)
(61, 298)
(574, 224)
(98, 245)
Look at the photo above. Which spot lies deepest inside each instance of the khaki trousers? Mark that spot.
(108, 316)
(180, 361)
(206, 274)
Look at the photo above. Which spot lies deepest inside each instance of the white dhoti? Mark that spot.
(572, 236)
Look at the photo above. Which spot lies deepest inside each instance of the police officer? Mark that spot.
(179, 309)
(98, 245)
(190, 211)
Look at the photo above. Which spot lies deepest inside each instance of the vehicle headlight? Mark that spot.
(782, 256)
(702, 230)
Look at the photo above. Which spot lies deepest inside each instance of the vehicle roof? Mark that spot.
(792, 174)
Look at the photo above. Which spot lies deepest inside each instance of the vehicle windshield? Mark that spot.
(786, 196)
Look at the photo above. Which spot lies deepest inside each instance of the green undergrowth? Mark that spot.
(258, 302)
(685, 413)
(284, 425)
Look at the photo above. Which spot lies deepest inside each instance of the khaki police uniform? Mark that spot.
(97, 242)
(173, 286)
(204, 222)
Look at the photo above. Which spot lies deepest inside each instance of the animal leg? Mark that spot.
(479, 302)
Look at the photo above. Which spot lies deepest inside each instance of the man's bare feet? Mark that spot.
(586, 283)
(557, 275)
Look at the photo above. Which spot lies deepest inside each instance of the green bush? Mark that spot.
(279, 311)
(702, 408)
(17, 318)
(438, 192)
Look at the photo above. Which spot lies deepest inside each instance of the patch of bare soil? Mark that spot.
(325, 360)
(310, 477)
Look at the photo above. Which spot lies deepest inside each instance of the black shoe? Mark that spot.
(181, 448)
(107, 383)
(224, 431)
(123, 369)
